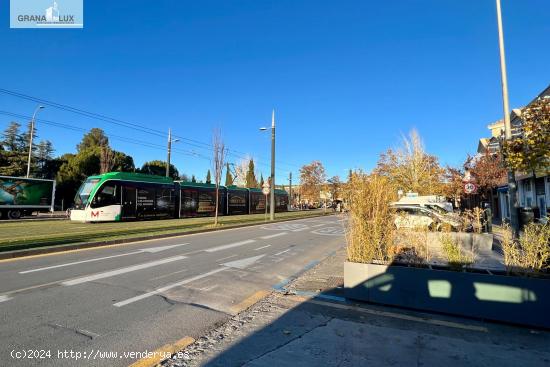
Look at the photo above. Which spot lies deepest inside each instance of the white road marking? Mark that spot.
(165, 288)
(225, 258)
(4, 298)
(259, 248)
(231, 245)
(151, 250)
(318, 225)
(127, 269)
(282, 252)
(79, 262)
(239, 264)
(329, 231)
(273, 235)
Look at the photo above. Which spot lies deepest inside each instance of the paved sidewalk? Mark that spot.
(291, 328)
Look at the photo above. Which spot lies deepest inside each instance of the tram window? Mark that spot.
(107, 195)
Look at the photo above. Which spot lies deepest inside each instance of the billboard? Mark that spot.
(16, 191)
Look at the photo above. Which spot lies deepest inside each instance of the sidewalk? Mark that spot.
(309, 324)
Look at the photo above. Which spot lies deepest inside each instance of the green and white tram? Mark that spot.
(120, 196)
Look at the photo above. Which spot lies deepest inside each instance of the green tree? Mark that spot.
(3, 156)
(228, 176)
(93, 139)
(193, 178)
(74, 168)
(14, 162)
(44, 154)
(123, 162)
(261, 183)
(251, 181)
(11, 139)
(530, 152)
(158, 168)
(208, 177)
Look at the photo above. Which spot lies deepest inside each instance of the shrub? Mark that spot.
(535, 247)
(456, 257)
(530, 255)
(370, 227)
(411, 246)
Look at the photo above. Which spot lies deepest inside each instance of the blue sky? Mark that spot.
(346, 78)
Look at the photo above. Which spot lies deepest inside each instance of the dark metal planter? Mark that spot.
(512, 299)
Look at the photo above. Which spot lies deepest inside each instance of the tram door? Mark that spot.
(129, 202)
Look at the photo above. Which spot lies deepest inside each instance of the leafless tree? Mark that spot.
(220, 152)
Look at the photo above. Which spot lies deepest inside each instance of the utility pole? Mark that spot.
(30, 140)
(512, 185)
(169, 151)
(290, 188)
(272, 198)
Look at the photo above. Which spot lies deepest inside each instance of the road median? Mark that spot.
(39, 237)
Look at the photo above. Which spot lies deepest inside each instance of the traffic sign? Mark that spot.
(470, 188)
(266, 189)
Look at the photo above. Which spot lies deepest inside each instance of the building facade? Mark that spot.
(533, 188)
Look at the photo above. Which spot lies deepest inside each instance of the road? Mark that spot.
(140, 296)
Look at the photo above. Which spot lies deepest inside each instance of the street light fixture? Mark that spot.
(31, 138)
(272, 178)
(170, 141)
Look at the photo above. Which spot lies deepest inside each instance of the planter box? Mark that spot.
(482, 242)
(511, 299)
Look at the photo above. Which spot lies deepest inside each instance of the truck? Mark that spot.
(24, 196)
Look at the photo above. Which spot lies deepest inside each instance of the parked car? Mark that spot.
(416, 216)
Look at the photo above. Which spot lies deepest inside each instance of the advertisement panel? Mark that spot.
(26, 192)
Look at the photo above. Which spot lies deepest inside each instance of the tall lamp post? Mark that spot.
(170, 141)
(272, 178)
(512, 186)
(31, 138)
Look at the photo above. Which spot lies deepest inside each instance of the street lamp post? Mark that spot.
(31, 138)
(512, 186)
(272, 178)
(170, 141)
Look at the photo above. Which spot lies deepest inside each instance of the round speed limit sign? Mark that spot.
(266, 188)
(470, 188)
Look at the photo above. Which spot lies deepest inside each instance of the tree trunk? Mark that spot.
(217, 203)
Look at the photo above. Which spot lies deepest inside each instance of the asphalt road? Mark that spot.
(138, 297)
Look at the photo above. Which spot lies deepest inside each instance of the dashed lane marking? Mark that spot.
(273, 235)
(282, 252)
(165, 288)
(127, 269)
(259, 248)
(231, 245)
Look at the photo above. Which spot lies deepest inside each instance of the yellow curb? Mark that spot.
(159, 354)
(249, 302)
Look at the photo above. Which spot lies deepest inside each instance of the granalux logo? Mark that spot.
(46, 14)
